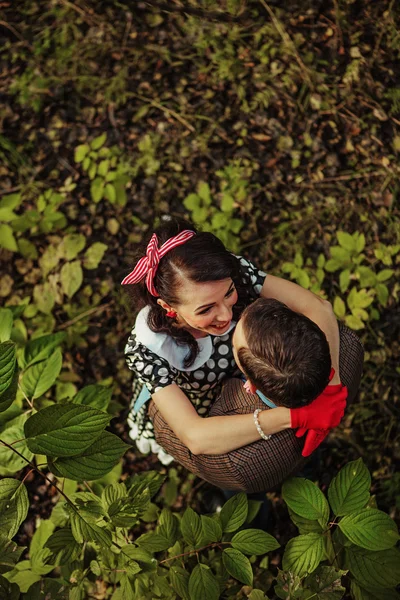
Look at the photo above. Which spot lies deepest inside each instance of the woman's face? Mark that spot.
(207, 307)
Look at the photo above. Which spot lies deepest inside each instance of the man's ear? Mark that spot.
(163, 304)
(251, 388)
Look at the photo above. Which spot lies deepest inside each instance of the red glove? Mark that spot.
(314, 438)
(324, 412)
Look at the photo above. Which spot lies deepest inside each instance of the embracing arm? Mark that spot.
(214, 435)
(315, 308)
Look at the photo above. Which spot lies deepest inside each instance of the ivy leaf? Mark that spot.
(65, 430)
(374, 570)
(305, 499)
(97, 396)
(303, 554)
(39, 378)
(95, 461)
(203, 584)
(234, 513)
(71, 277)
(371, 529)
(349, 490)
(93, 255)
(14, 504)
(238, 565)
(254, 541)
(191, 527)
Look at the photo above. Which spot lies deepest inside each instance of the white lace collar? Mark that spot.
(165, 346)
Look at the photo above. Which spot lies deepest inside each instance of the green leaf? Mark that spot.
(6, 323)
(325, 583)
(65, 430)
(374, 570)
(344, 280)
(103, 167)
(10, 554)
(168, 526)
(39, 377)
(40, 348)
(71, 277)
(27, 249)
(203, 584)
(110, 193)
(8, 396)
(8, 589)
(238, 565)
(382, 293)
(306, 525)
(332, 265)
(303, 554)
(63, 546)
(370, 528)
(97, 189)
(289, 586)
(339, 307)
(191, 527)
(349, 490)
(305, 499)
(346, 240)
(11, 201)
(93, 255)
(360, 593)
(354, 322)
(95, 395)
(98, 142)
(94, 462)
(14, 504)
(152, 542)
(384, 275)
(7, 365)
(360, 242)
(7, 239)
(10, 462)
(227, 202)
(204, 192)
(72, 244)
(80, 152)
(180, 582)
(234, 513)
(139, 555)
(191, 202)
(211, 530)
(341, 255)
(84, 531)
(254, 541)
(367, 276)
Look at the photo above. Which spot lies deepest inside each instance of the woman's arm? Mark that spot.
(214, 435)
(303, 301)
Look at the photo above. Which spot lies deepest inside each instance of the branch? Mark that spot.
(213, 545)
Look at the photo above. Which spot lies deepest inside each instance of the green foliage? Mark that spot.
(109, 172)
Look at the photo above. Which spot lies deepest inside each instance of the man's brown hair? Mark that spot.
(287, 357)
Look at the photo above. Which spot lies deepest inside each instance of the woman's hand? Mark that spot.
(323, 413)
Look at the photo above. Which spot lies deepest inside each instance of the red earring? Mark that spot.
(171, 314)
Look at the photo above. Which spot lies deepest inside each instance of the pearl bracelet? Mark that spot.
(258, 426)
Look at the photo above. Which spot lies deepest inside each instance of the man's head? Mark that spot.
(283, 354)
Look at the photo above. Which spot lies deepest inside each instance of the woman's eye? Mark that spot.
(205, 311)
(230, 292)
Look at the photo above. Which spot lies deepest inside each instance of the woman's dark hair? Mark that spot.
(287, 357)
(201, 259)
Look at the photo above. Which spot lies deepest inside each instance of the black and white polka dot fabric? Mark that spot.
(201, 385)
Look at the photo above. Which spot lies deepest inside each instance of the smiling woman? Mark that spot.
(190, 292)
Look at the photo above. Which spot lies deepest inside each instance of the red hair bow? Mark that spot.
(147, 266)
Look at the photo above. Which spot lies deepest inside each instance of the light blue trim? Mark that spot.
(266, 400)
(143, 397)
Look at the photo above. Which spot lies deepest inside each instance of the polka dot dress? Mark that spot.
(201, 386)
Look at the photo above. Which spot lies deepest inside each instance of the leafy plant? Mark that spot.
(107, 169)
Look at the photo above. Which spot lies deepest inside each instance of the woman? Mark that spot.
(191, 292)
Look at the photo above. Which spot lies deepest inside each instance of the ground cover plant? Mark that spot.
(277, 128)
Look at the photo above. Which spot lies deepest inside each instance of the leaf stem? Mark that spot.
(213, 545)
